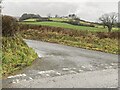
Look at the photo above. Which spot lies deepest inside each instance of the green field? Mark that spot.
(67, 19)
(59, 19)
(30, 20)
(66, 25)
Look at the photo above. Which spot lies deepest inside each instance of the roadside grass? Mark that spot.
(69, 26)
(15, 55)
(103, 41)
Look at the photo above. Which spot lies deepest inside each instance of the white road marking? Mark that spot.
(49, 71)
(83, 67)
(58, 73)
(65, 69)
(19, 75)
(30, 78)
(80, 70)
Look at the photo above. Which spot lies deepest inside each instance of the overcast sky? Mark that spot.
(85, 9)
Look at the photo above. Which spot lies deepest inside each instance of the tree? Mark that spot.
(74, 21)
(28, 16)
(108, 20)
(73, 16)
(56, 16)
(23, 17)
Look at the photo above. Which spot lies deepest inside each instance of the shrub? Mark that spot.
(9, 26)
(70, 32)
(77, 22)
(74, 22)
(118, 25)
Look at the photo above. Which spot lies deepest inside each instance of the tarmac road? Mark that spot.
(62, 66)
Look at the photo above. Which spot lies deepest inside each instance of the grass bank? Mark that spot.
(15, 55)
(100, 41)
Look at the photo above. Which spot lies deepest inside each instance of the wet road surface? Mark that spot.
(59, 62)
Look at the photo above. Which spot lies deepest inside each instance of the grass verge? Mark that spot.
(15, 55)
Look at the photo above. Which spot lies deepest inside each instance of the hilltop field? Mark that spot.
(61, 22)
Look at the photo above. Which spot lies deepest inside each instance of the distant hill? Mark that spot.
(28, 16)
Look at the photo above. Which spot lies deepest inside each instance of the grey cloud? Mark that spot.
(87, 10)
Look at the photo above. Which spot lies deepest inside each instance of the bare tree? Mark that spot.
(108, 20)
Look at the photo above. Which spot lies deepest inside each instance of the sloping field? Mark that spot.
(66, 25)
